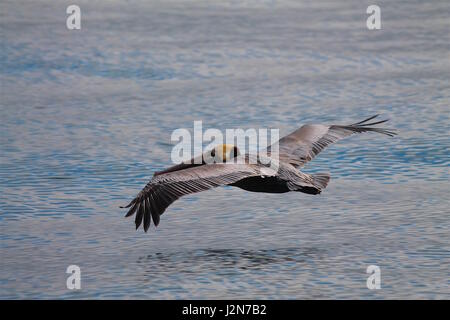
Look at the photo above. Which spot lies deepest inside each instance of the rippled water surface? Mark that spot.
(87, 117)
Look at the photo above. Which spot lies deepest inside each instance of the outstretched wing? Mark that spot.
(165, 188)
(304, 144)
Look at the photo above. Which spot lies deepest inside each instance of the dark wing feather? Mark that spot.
(165, 188)
(139, 214)
(304, 144)
(147, 219)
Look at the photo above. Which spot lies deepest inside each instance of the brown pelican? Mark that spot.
(294, 151)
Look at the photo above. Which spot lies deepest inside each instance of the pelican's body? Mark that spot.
(248, 172)
(258, 184)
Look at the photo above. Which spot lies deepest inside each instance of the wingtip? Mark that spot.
(128, 205)
(393, 134)
(367, 125)
(365, 120)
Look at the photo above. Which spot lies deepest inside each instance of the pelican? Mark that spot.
(294, 151)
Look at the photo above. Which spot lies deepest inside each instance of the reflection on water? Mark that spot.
(87, 117)
(223, 260)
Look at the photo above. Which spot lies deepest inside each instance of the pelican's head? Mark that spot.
(223, 153)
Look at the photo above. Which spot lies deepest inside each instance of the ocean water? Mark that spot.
(87, 117)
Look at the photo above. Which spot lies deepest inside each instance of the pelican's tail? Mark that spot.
(311, 183)
(320, 180)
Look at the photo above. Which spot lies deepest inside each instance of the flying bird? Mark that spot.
(248, 172)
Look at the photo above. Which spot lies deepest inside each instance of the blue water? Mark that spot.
(87, 117)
